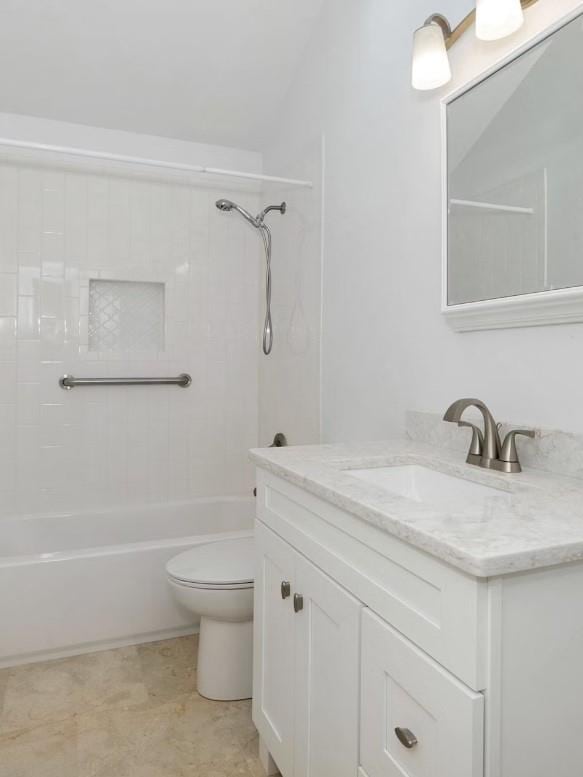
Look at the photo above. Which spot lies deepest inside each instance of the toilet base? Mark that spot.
(225, 659)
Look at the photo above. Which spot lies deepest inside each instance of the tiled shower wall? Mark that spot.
(289, 381)
(89, 448)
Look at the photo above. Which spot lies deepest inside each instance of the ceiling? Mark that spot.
(199, 70)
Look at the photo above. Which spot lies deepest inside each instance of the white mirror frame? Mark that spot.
(561, 306)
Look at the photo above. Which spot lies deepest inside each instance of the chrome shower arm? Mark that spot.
(281, 208)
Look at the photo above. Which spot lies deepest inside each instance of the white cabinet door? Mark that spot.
(327, 676)
(273, 665)
(417, 720)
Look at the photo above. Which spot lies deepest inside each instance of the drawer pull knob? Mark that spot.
(285, 589)
(298, 602)
(406, 738)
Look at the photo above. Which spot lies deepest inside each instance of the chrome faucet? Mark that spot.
(486, 449)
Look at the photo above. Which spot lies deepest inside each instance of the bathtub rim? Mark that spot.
(120, 550)
(110, 510)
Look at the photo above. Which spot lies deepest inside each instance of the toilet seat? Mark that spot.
(212, 587)
(222, 565)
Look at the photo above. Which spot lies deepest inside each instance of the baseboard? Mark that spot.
(97, 647)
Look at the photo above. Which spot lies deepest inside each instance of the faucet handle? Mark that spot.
(477, 444)
(509, 452)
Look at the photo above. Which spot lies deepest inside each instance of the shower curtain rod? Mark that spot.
(105, 156)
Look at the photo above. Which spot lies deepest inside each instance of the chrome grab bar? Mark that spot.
(69, 382)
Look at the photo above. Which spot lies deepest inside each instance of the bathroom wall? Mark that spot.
(385, 345)
(60, 133)
(289, 379)
(63, 223)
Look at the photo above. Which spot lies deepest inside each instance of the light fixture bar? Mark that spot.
(494, 20)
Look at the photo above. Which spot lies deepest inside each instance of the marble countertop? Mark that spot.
(535, 522)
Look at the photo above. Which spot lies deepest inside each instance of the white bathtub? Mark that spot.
(75, 583)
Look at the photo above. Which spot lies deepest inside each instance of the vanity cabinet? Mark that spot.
(332, 679)
(398, 664)
(306, 667)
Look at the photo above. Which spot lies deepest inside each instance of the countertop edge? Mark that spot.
(501, 565)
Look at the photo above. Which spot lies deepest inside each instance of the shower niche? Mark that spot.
(126, 316)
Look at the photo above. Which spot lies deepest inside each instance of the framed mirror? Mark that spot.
(513, 189)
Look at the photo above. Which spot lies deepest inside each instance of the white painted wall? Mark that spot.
(60, 133)
(385, 345)
(62, 225)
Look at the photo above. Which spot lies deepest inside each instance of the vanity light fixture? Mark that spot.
(495, 19)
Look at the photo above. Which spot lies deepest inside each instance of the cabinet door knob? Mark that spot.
(298, 602)
(285, 589)
(406, 738)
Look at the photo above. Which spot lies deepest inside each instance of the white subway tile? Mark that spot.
(8, 340)
(52, 425)
(53, 254)
(52, 469)
(29, 224)
(8, 218)
(28, 404)
(54, 206)
(28, 361)
(8, 294)
(7, 471)
(105, 446)
(28, 277)
(8, 392)
(28, 326)
(52, 297)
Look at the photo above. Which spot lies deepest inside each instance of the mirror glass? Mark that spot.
(515, 176)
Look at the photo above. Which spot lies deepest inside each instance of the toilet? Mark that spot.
(215, 582)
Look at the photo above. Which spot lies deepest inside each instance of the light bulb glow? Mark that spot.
(431, 68)
(496, 19)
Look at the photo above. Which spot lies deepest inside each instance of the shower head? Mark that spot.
(257, 221)
(227, 206)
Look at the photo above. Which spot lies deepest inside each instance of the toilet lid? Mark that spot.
(221, 563)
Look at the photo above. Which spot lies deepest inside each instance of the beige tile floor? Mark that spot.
(131, 712)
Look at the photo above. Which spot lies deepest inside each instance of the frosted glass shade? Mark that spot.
(431, 67)
(497, 19)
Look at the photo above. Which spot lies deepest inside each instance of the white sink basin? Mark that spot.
(428, 486)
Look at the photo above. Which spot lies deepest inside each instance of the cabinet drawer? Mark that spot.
(404, 689)
(440, 609)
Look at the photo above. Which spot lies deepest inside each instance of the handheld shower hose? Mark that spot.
(259, 223)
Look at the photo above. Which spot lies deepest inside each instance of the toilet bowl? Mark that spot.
(215, 582)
